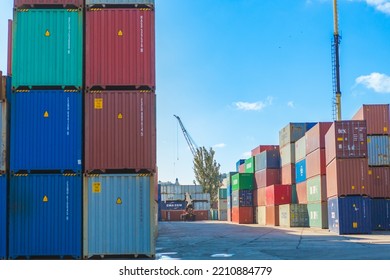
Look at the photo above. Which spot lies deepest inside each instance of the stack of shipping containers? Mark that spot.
(316, 175)
(347, 181)
(120, 128)
(242, 198)
(45, 200)
(222, 203)
(378, 119)
(229, 193)
(3, 166)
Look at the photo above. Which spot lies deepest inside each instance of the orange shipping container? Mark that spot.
(272, 215)
(315, 163)
(302, 193)
(315, 137)
(242, 215)
(288, 174)
(259, 197)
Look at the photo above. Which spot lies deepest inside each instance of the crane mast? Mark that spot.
(190, 141)
(336, 65)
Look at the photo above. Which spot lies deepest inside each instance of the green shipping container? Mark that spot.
(293, 215)
(250, 165)
(47, 48)
(318, 215)
(242, 181)
(316, 189)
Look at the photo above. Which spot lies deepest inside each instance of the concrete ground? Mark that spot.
(217, 240)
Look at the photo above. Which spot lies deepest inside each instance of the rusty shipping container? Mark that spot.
(377, 117)
(302, 192)
(267, 177)
(51, 3)
(272, 215)
(262, 148)
(379, 180)
(348, 177)
(378, 150)
(315, 163)
(120, 131)
(278, 194)
(242, 215)
(129, 57)
(259, 197)
(346, 139)
(315, 137)
(287, 174)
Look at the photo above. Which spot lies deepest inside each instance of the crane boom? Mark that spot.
(336, 63)
(190, 141)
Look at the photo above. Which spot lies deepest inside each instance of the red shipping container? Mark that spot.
(377, 117)
(272, 215)
(242, 215)
(263, 148)
(346, 139)
(37, 3)
(120, 48)
(120, 131)
(278, 194)
(171, 215)
(302, 193)
(379, 178)
(229, 215)
(9, 58)
(267, 177)
(315, 163)
(287, 174)
(315, 137)
(259, 197)
(347, 177)
(201, 215)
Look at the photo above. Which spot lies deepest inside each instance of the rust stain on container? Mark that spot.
(377, 117)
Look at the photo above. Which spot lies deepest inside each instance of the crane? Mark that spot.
(187, 136)
(336, 66)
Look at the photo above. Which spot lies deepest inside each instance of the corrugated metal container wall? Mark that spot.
(129, 58)
(288, 174)
(242, 198)
(377, 117)
(3, 216)
(117, 215)
(173, 205)
(378, 150)
(120, 130)
(292, 132)
(347, 177)
(222, 215)
(300, 149)
(3, 87)
(287, 154)
(250, 165)
(241, 168)
(222, 204)
(301, 192)
(238, 164)
(242, 215)
(9, 49)
(200, 205)
(3, 136)
(229, 178)
(315, 137)
(293, 215)
(223, 193)
(379, 180)
(61, 3)
(380, 214)
(316, 189)
(267, 160)
(45, 215)
(242, 181)
(259, 197)
(318, 214)
(260, 218)
(47, 48)
(316, 163)
(267, 177)
(300, 171)
(349, 214)
(346, 139)
(278, 194)
(46, 130)
(262, 148)
(123, 2)
(272, 215)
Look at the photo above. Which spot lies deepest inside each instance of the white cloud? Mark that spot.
(246, 154)
(291, 104)
(220, 145)
(376, 81)
(380, 5)
(254, 106)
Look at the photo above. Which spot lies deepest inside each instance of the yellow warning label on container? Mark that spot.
(96, 187)
(120, 33)
(368, 140)
(46, 114)
(340, 139)
(118, 200)
(369, 172)
(353, 205)
(45, 199)
(98, 103)
(353, 187)
(385, 129)
(47, 33)
(120, 116)
(362, 187)
(354, 224)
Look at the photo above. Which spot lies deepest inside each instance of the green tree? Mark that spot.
(206, 171)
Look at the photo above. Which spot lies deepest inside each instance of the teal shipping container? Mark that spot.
(118, 215)
(47, 48)
(223, 193)
(119, 2)
(318, 214)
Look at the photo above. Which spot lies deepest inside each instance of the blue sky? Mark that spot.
(237, 71)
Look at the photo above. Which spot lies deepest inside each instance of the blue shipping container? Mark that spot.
(381, 214)
(378, 150)
(349, 214)
(300, 171)
(3, 135)
(46, 130)
(118, 217)
(267, 160)
(3, 216)
(242, 198)
(45, 215)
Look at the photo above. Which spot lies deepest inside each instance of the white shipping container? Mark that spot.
(260, 217)
(222, 204)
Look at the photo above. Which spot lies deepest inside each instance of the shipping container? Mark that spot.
(222, 204)
(106, 3)
(293, 215)
(349, 214)
(3, 216)
(172, 215)
(301, 192)
(242, 198)
(45, 216)
(50, 3)
(238, 164)
(380, 214)
(229, 178)
(260, 217)
(377, 117)
(241, 168)
(348, 177)
(129, 58)
(47, 48)
(201, 215)
(267, 177)
(250, 165)
(242, 181)
(300, 171)
(300, 149)
(201, 205)
(379, 181)
(346, 139)
(259, 197)
(267, 160)
(315, 137)
(288, 174)
(378, 150)
(294, 195)
(292, 132)
(118, 219)
(46, 130)
(120, 131)
(3, 136)
(173, 205)
(9, 49)
(3, 86)
(242, 215)
(272, 215)
(278, 194)
(222, 215)
(213, 214)
(318, 214)
(222, 193)
(315, 163)
(262, 148)
(316, 189)
(287, 154)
